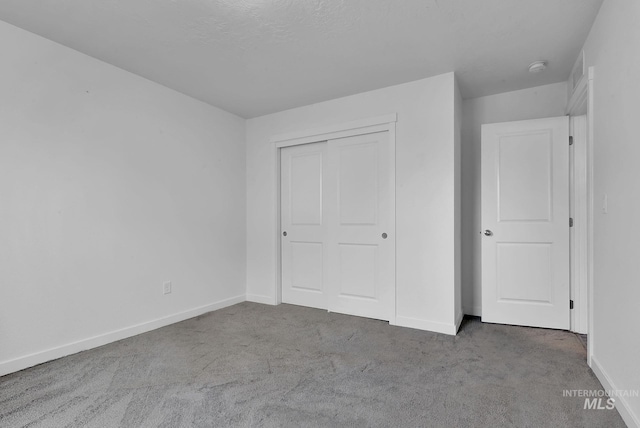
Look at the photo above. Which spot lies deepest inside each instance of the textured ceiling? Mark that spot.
(253, 57)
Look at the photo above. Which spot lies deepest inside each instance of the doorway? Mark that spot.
(526, 222)
(337, 219)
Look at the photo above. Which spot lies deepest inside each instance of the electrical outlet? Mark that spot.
(166, 287)
(605, 204)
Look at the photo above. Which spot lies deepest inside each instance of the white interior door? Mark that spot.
(361, 239)
(303, 225)
(525, 217)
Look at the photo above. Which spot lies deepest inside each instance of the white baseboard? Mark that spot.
(435, 326)
(475, 310)
(622, 403)
(257, 298)
(459, 318)
(21, 363)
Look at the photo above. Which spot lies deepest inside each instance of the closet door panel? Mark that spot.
(303, 225)
(360, 239)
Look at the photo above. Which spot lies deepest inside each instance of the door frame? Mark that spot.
(348, 129)
(578, 202)
(581, 103)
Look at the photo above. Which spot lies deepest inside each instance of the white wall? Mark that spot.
(425, 194)
(612, 48)
(533, 103)
(109, 185)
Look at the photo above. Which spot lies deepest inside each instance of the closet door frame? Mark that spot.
(349, 129)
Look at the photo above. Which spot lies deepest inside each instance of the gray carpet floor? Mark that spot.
(288, 366)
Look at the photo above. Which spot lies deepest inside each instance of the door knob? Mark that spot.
(488, 232)
(384, 236)
(284, 233)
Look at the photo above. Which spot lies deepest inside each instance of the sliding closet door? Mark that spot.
(303, 221)
(361, 236)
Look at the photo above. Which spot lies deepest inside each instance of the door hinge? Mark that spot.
(570, 140)
(570, 222)
(570, 304)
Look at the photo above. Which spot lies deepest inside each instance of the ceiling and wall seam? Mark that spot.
(255, 57)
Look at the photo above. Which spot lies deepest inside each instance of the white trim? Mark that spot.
(621, 403)
(580, 103)
(36, 358)
(333, 135)
(579, 212)
(459, 319)
(590, 213)
(278, 278)
(386, 123)
(433, 326)
(327, 132)
(265, 300)
(391, 128)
